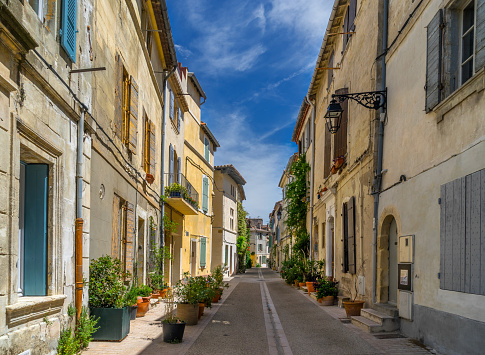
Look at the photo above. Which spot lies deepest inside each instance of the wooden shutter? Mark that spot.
(480, 35)
(351, 234)
(203, 251)
(172, 104)
(115, 238)
(205, 194)
(129, 237)
(35, 229)
(345, 235)
(153, 148)
(330, 71)
(118, 115)
(179, 114)
(68, 29)
(179, 170)
(433, 61)
(462, 237)
(345, 38)
(133, 118)
(170, 165)
(327, 152)
(340, 138)
(207, 149)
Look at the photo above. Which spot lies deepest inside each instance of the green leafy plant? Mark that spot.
(170, 309)
(106, 285)
(186, 290)
(143, 291)
(85, 328)
(158, 256)
(131, 296)
(326, 287)
(67, 345)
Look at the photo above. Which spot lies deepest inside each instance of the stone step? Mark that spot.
(386, 309)
(366, 324)
(375, 316)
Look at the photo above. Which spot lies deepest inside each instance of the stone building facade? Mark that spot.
(40, 110)
(228, 192)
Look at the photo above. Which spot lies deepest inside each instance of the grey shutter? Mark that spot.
(170, 164)
(344, 238)
(203, 252)
(330, 71)
(433, 61)
(480, 36)
(171, 103)
(179, 170)
(178, 119)
(351, 234)
(205, 194)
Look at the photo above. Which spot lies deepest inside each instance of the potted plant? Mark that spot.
(174, 190)
(158, 256)
(131, 298)
(218, 276)
(313, 271)
(188, 299)
(327, 290)
(144, 295)
(173, 327)
(353, 306)
(107, 299)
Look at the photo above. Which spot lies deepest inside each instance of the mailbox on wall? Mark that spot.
(406, 249)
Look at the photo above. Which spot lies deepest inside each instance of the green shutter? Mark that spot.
(68, 28)
(207, 149)
(35, 229)
(203, 250)
(205, 194)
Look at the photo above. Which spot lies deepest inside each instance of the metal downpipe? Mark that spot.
(79, 220)
(380, 145)
(312, 172)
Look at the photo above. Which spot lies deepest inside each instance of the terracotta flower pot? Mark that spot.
(201, 309)
(302, 284)
(353, 308)
(327, 300)
(142, 307)
(296, 283)
(339, 162)
(310, 286)
(163, 293)
(150, 178)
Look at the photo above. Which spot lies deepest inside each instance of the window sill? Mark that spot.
(30, 308)
(475, 84)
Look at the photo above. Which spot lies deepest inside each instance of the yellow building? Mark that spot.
(192, 243)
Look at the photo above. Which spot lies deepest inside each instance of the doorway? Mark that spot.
(193, 257)
(393, 273)
(140, 252)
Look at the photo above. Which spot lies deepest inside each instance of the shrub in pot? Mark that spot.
(218, 279)
(188, 299)
(131, 298)
(327, 290)
(107, 299)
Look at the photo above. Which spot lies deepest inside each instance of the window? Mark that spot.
(260, 236)
(330, 71)
(207, 149)
(260, 247)
(149, 147)
(33, 229)
(123, 232)
(205, 194)
(38, 6)
(231, 214)
(348, 217)
(233, 190)
(203, 252)
(126, 107)
(340, 138)
(226, 254)
(455, 49)
(68, 29)
(462, 260)
(349, 25)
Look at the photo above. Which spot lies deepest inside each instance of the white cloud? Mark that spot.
(184, 52)
(260, 163)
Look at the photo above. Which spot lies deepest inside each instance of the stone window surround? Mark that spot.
(24, 309)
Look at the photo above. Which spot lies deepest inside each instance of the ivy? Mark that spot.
(297, 204)
(243, 237)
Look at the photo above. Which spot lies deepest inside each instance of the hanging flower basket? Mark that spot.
(338, 162)
(150, 178)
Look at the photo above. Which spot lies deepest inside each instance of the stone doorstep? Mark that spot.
(31, 308)
(373, 321)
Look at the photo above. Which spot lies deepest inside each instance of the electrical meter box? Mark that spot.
(406, 249)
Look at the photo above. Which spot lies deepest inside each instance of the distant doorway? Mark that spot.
(393, 262)
(193, 257)
(140, 252)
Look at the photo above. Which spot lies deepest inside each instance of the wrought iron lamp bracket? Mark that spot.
(372, 99)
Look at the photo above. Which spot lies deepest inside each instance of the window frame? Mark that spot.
(461, 36)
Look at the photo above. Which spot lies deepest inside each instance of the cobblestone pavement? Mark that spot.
(259, 314)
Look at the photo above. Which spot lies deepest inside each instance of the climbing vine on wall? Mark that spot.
(297, 204)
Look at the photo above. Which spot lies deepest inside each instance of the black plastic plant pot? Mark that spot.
(133, 310)
(173, 332)
(113, 323)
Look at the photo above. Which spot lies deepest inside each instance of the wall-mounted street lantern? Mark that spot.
(373, 100)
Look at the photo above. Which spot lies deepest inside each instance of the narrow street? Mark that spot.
(260, 314)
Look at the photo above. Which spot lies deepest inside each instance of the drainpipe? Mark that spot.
(162, 173)
(312, 172)
(79, 220)
(380, 142)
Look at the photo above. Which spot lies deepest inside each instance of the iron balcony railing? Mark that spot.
(177, 186)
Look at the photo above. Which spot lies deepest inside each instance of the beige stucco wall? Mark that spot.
(429, 152)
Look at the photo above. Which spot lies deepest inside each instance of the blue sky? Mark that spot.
(254, 60)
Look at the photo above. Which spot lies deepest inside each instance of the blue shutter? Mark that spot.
(205, 194)
(35, 229)
(203, 251)
(179, 113)
(68, 28)
(171, 103)
(170, 166)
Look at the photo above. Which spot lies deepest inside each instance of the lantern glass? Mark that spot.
(333, 116)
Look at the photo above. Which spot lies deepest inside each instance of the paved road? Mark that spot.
(263, 315)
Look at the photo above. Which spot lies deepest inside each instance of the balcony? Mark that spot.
(181, 195)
